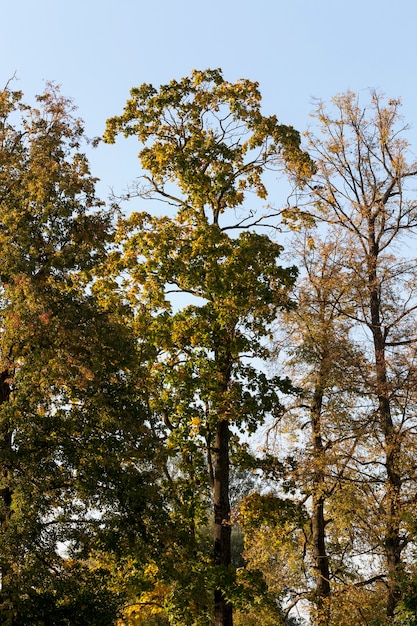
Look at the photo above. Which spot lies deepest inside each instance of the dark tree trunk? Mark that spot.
(223, 615)
(318, 525)
(321, 560)
(393, 484)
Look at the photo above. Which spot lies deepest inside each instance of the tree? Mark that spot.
(362, 186)
(208, 137)
(64, 372)
(327, 424)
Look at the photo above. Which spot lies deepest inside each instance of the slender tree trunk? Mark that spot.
(318, 525)
(392, 540)
(393, 483)
(223, 615)
(321, 560)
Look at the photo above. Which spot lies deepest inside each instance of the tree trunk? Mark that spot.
(223, 615)
(321, 559)
(393, 483)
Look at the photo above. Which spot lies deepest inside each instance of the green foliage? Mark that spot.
(406, 612)
(129, 367)
(67, 362)
(75, 595)
(209, 136)
(204, 147)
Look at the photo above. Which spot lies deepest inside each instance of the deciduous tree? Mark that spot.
(325, 425)
(64, 371)
(205, 146)
(363, 185)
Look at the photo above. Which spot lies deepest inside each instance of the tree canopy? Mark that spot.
(209, 138)
(144, 351)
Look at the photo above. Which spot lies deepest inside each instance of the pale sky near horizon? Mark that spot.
(297, 50)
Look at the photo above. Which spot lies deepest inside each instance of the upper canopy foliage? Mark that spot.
(209, 137)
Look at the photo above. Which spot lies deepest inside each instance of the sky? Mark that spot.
(297, 50)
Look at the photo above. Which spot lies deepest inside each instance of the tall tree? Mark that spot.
(327, 423)
(363, 185)
(209, 137)
(63, 368)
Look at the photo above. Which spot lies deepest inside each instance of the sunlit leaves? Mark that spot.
(209, 137)
(209, 282)
(66, 361)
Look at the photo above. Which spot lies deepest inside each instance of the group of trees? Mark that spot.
(140, 351)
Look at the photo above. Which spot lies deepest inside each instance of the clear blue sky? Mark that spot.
(295, 49)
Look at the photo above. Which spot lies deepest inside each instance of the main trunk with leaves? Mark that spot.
(222, 523)
(393, 543)
(210, 138)
(318, 523)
